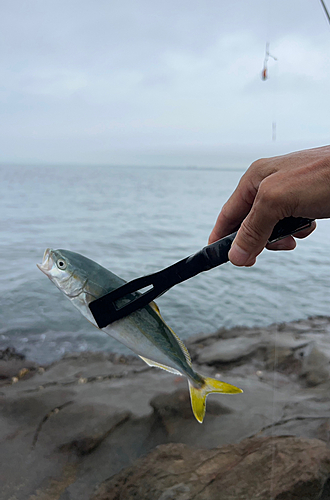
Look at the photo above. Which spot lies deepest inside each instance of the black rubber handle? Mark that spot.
(217, 253)
(107, 309)
(289, 226)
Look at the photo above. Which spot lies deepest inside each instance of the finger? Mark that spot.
(234, 210)
(287, 243)
(306, 232)
(223, 227)
(256, 228)
(248, 243)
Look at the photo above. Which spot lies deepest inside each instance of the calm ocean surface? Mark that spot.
(135, 221)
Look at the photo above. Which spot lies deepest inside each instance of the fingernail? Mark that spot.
(238, 256)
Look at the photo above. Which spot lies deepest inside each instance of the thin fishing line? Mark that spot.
(325, 10)
(270, 63)
(273, 89)
(274, 400)
(277, 278)
(275, 100)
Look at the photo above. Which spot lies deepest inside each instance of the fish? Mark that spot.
(144, 331)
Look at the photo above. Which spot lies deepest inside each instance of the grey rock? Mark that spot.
(15, 369)
(79, 421)
(227, 351)
(316, 367)
(10, 353)
(282, 468)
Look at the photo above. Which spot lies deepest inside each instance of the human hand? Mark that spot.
(297, 184)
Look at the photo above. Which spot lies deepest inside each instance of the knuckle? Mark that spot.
(258, 165)
(226, 212)
(269, 193)
(261, 168)
(275, 198)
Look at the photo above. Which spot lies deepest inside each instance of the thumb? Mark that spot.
(256, 228)
(251, 239)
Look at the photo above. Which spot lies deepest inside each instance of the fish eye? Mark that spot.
(61, 264)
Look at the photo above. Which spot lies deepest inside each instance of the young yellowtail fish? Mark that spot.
(82, 280)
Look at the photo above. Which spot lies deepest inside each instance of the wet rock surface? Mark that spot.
(66, 428)
(14, 366)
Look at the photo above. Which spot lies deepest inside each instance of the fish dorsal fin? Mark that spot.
(158, 365)
(181, 344)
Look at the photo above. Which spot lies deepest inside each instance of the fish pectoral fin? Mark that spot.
(158, 365)
(198, 395)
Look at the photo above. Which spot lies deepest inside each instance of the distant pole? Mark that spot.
(325, 10)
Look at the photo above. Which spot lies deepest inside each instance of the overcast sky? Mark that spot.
(151, 82)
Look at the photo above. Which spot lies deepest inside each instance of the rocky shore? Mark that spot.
(107, 427)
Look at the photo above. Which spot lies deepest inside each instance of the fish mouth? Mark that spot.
(47, 262)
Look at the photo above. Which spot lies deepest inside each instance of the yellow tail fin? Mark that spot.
(198, 395)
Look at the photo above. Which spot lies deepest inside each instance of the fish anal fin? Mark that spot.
(198, 395)
(158, 365)
(155, 307)
(181, 344)
(183, 347)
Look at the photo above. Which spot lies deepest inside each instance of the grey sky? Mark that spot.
(154, 82)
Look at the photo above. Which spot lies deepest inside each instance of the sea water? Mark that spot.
(135, 221)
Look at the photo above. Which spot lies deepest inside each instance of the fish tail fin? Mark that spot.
(198, 395)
